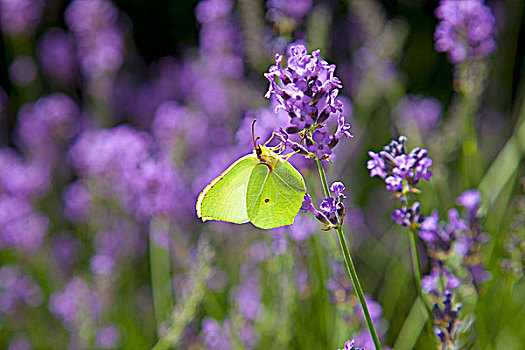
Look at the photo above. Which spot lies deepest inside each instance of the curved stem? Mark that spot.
(350, 265)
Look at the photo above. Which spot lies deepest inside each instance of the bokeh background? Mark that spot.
(115, 115)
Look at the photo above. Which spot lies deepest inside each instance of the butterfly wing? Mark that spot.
(224, 199)
(273, 198)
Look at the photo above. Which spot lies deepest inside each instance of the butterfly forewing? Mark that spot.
(224, 198)
(273, 198)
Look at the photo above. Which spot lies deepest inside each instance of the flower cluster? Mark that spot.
(447, 321)
(446, 242)
(307, 90)
(466, 30)
(424, 112)
(401, 173)
(332, 208)
(349, 345)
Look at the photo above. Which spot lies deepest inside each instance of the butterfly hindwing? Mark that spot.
(273, 198)
(224, 199)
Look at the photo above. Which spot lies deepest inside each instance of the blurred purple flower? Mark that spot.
(20, 226)
(20, 17)
(101, 264)
(424, 112)
(107, 337)
(44, 125)
(100, 41)
(19, 342)
(77, 200)
(76, 301)
(215, 337)
(278, 10)
(65, 249)
(23, 70)
(16, 288)
(471, 200)
(248, 298)
(466, 30)
(22, 178)
(56, 53)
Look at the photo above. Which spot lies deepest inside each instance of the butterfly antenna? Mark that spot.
(270, 139)
(253, 134)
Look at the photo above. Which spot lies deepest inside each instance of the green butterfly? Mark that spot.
(262, 188)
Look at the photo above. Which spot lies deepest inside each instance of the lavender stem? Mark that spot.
(350, 265)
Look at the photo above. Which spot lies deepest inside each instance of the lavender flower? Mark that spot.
(107, 337)
(100, 41)
(45, 125)
(307, 90)
(16, 288)
(466, 30)
(446, 320)
(424, 112)
(76, 301)
(215, 337)
(23, 70)
(349, 345)
(396, 167)
(56, 53)
(20, 17)
(20, 226)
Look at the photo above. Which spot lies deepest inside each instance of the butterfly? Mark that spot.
(261, 187)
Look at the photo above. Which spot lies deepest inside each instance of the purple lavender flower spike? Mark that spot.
(471, 200)
(466, 30)
(424, 112)
(395, 166)
(20, 17)
(307, 90)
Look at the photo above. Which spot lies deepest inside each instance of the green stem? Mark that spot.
(350, 265)
(417, 272)
(160, 274)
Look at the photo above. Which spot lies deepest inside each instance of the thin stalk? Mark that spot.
(417, 273)
(350, 265)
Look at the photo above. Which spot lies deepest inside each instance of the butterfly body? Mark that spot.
(262, 188)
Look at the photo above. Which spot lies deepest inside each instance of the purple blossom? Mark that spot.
(20, 226)
(107, 337)
(408, 216)
(77, 201)
(20, 17)
(440, 279)
(279, 10)
(100, 41)
(424, 112)
(248, 298)
(19, 342)
(337, 188)
(44, 125)
(466, 30)
(471, 200)
(395, 166)
(27, 179)
(56, 53)
(23, 70)
(321, 146)
(215, 337)
(329, 206)
(16, 288)
(349, 345)
(75, 301)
